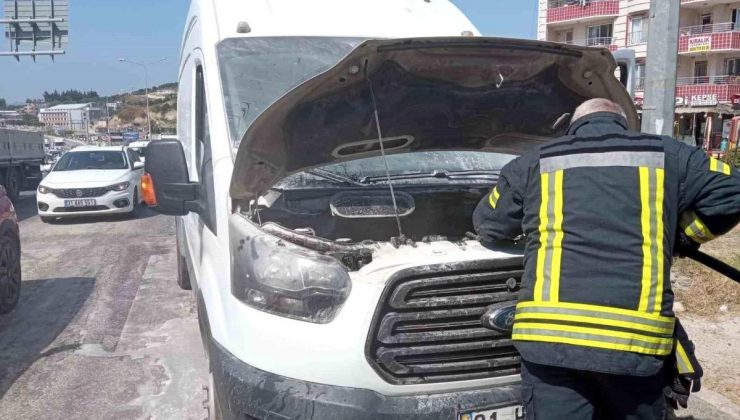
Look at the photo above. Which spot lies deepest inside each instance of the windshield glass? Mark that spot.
(430, 163)
(141, 151)
(255, 72)
(75, 161)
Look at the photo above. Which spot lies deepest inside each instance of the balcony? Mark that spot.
(637, 38)
(561, 11)
(709, 38)
(701, 4)
(605, 42)
(707, 90)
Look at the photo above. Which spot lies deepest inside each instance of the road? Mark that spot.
(101, 330)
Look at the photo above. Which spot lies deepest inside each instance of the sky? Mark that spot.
(102, 31)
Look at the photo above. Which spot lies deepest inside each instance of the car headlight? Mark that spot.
(45, 190)
(270, 275)
(122, 186)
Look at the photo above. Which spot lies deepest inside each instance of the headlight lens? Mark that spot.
(270, 276)
(44, 190)
(123, 186)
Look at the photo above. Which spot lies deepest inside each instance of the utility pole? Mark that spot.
(146, 88)
(662, 52)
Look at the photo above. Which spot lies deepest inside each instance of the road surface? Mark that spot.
(101, 330)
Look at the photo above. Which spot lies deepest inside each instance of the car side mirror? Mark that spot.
(170, 191)
(138, 165)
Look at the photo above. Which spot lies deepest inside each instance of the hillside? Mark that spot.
(131, 112)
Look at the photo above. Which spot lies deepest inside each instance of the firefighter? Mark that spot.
(599, 210)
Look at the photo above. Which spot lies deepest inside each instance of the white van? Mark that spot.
(324, 181)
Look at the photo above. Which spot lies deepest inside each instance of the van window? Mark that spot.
(203, 161)
(255, 72)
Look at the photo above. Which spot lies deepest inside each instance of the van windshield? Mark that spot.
(255, 72)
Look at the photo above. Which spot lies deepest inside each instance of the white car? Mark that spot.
(91, 181)
(139, 147)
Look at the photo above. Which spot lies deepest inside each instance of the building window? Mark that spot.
(640, 75)
(639, 29)
(732, 67)
(700, 72)
(599, 35)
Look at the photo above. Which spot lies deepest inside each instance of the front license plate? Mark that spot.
(515, 412)
(80, 203)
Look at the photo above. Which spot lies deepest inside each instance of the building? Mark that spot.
(74, 117)
(708, 84)
(10, 118)
(31, 108)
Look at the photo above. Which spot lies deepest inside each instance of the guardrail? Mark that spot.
(709, 29)
(709, 80)
(552, 4)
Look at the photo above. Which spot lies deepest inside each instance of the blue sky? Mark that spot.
(145, 30)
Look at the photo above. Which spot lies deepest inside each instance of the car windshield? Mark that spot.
(255, 72)
(435, 165)
(75, 161)
(141, 151)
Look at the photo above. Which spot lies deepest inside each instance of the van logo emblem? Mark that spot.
(500, 317)
(78, 193)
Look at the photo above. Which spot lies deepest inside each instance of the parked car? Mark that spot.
(330, 280)
(10, 255)
(91, 181)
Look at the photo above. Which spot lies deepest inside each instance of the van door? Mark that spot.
(196, 226)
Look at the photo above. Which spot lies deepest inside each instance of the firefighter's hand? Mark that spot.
(684, 245)
(678, 394)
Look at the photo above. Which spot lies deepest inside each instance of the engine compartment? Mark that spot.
(435, 212)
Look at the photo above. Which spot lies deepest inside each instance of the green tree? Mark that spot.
(3, 104)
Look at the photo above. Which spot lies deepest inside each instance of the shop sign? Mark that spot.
(680, 101)
(704, 100)
(735, 100)
(700, 43)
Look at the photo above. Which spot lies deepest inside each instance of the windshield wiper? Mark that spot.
(331, 176)
(449, 175)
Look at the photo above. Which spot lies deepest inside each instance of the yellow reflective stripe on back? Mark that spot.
(557, 245)
(646, 237)
(682, 360)
(493, 197)
(589, 343)
(598, 308)
(595, 321)
(662, 341)
(657, 288)
(542, 252)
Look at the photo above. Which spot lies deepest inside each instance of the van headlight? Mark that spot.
(269, 275)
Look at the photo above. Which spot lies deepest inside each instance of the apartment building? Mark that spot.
(708, 84)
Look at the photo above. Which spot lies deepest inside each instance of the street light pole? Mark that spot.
(146, 88)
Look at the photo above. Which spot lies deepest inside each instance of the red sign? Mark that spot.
(735, 99)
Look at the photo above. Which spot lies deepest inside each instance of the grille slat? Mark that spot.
(428, 327)
(80, 192)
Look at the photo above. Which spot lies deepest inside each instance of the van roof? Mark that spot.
(359, 18)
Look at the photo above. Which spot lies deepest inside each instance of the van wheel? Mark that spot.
(10, 271)
(214, 407)
(12, 183)
(183, 277)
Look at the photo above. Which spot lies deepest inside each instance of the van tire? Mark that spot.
(183, 277)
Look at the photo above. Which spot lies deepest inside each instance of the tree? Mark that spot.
(30, 120)
(3, 104)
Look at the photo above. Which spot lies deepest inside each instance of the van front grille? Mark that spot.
(427, 328)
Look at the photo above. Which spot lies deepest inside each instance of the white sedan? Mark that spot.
(91, 181)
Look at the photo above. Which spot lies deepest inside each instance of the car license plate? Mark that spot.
(515, 412)
(80, 203)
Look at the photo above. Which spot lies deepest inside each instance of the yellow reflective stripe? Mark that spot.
(596, 321)
(598, 308)
(695, 229)
(493, 197)
(657, 288)
(588, 343)
(557, 251)
(683, 362)
(542, 252)
(719, 166)
(665, 341)
(646, 237)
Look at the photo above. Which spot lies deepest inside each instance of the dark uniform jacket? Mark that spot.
(600, 210)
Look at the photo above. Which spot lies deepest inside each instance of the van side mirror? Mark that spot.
(175, 194)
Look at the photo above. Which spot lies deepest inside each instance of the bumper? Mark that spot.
(50, 205)
(249, 393)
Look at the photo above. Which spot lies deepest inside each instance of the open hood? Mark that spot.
(500, 95)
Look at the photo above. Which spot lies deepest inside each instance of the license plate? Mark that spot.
(80, 203)
(515, 412)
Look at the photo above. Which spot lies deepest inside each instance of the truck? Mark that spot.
(21, 157)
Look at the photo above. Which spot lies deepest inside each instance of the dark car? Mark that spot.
(10, 255)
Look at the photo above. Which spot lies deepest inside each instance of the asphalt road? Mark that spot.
(101, 331)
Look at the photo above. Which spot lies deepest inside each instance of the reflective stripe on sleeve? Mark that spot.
(685, 367)
(716, 165)
(493, 197)
(695, 229)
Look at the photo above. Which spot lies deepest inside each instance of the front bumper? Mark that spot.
(50, 205)
(245, 392)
